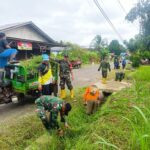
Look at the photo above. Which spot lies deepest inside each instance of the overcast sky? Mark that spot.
(77, 21)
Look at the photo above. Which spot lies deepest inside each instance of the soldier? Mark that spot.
(54, 106)
(64, 73)
(105, 66)
(54, 67)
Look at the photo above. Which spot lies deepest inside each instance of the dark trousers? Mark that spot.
(47, 89)
(104, 74)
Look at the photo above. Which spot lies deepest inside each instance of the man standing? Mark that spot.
(55, 70)
(45, 76)
(6, 52)
(64, 73)
(54, 106)
(105, 66)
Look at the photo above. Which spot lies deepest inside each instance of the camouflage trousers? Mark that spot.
(50, 122)
(65, 80)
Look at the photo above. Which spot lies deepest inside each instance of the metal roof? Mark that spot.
(8, 27)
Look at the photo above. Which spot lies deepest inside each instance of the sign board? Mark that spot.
(24, 45)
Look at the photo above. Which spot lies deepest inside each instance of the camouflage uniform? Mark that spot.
(52, 105)
(64, 73)
(104, 66)
(54, 67)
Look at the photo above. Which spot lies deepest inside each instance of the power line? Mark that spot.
(122, 7)
(107, 19)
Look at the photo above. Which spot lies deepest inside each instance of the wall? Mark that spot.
(25, 32)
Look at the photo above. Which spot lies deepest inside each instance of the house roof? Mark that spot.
(8, 27)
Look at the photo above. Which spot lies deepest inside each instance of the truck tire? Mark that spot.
(79, 66)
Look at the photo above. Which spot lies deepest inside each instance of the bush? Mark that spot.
(145, 54)
(103, 53)
(83, 54)
(135, 58)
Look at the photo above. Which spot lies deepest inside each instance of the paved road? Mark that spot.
(83, 77)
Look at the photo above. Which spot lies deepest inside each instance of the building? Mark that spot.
(28, 39)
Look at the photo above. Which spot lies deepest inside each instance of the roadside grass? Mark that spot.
(20, 133)
(122, 122)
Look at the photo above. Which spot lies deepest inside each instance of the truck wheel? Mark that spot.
(79, 66)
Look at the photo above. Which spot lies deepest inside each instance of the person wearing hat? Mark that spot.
(6, 52)
(64, 73)
(54, 106)
(45, 76)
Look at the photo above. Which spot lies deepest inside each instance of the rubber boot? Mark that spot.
(72, 93)
(104, 80)
(63, 94)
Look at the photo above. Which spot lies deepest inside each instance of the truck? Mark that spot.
(21, 80)
(76, 63)
(18, 82)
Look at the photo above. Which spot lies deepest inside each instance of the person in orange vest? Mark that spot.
(92, 99)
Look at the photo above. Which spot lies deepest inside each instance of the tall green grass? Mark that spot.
(122, 122)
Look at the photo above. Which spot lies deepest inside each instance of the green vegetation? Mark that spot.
(141, 43)
(122, 122)
(76, 52)
(115, 47)
(32, 63)
(135, 58)
(20, 132)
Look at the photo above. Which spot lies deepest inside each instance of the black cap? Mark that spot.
(67, 108)
(2, 34)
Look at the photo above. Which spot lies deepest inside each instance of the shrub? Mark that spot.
(145, 54)
(135, 58)
(103, 53)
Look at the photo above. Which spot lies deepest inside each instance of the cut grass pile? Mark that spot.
(123, 122)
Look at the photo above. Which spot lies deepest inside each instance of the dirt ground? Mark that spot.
(83, 77)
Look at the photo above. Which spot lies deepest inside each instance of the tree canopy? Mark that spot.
(141, 11)
(116, 47)
(98, 43)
